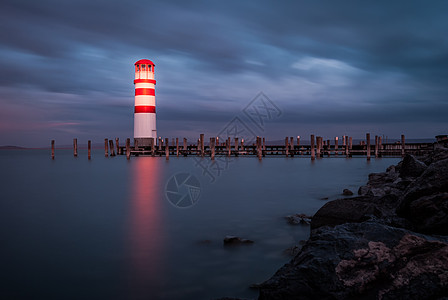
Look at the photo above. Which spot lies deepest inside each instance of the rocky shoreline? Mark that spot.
(390, 242)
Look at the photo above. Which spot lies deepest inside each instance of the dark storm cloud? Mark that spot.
(383, 61)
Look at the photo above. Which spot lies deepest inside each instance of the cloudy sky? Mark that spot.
(331, 67)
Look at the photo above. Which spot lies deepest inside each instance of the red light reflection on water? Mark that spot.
(146, 240)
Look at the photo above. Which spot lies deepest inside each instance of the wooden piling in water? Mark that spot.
(346, 147)
(403, 145)
(236, 147)
(259, 149)
(263, 150)
(336, 140)
(185, 147)
(112, 149)
(202, 144)
(117, 144)
(152, 146)
(106, 148)
(368, 145)
(212, 148)
(89, 149)
(75, 147)
(313, 156)
(52, 149)
(318, 146)
(167, 149)
(380, 146)
(177, 147)
(376, 146)
(291, 146)
(128, 148)
(286, 146)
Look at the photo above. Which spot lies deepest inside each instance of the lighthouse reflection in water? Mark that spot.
(146, 233)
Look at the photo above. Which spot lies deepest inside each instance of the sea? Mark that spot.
(148, 228)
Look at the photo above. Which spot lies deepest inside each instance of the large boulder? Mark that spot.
(411, 167)
(365, 260)
(425, 202)
(340, 211)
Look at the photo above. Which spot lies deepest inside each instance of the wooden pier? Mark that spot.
(317, 148)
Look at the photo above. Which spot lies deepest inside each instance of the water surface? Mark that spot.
(103, 229)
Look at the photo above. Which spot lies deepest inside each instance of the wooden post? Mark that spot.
(318, 139)
(336, 139)
(202, 144)
(236, 147)
(376, 146)
(177, 147)
(380, 146)
(128, 148)
(52, 149)
(106, 148)
(286, 146)
(403, 146)
(368, 145)
(135, 144)
(298, 144)
(185, 147)
(167, 148)
(291, 146)
(212, 148)
(75, 147)
(217, 141)
(259, 150)
(263, 152)
(313, 156)
(346, 146)
(350, 143)
(111, 146)
(89, 149)
(242, 145)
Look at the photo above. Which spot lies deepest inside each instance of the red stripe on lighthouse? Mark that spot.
(145, 109)
(145, 91)
(144, 81)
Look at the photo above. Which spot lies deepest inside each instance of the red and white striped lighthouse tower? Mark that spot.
(145, 102)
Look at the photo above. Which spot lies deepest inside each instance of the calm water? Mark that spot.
(104, 229)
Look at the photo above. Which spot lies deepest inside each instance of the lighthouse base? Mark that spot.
(144, 142)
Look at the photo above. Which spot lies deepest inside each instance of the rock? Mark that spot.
(365, 260)
(352, 210)
(411, 167)
(387, 243)
(298, 219)
(347, 192)
(426, 196)
(292, 251)
(235, 240)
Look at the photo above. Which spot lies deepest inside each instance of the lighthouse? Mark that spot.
(145, 103)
